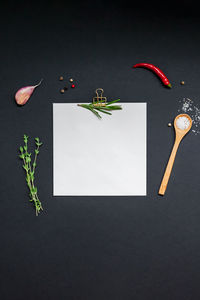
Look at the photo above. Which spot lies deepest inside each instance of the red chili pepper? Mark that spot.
(157, 71)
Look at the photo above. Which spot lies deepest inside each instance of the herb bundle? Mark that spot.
(30, 171)
(106, 108)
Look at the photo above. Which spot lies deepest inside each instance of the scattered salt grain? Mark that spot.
(189, 106)
(182, 123)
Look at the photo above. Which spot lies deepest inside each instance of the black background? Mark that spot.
(84, 248)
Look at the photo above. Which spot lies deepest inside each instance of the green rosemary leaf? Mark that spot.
(111, 102)
(103, 111)
(95, 112)
(91, 108)
(113, 107)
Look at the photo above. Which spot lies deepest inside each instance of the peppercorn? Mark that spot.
(65, 88)
(62, 91)
(71, 80)
(61, 78)
(169, 124)
(73, 86)
(182, 82)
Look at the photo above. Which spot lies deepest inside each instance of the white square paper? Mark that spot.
(104, 157)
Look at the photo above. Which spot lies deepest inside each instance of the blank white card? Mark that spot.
(93, 157)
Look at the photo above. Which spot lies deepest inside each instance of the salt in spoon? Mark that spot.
(180, 133)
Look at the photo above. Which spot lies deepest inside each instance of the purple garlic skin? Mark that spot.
(23, 94)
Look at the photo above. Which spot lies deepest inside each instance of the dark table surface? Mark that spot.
(87, 248)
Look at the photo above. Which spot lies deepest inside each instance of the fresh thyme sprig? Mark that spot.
(106, 108)
(30, 171)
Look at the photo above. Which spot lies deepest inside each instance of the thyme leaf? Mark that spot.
(30, 171)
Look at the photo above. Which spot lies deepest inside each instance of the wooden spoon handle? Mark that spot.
(168, 170)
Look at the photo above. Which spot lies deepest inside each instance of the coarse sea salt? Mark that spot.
(183, 123)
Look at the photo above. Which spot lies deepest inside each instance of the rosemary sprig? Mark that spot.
(104, 109)
(30, 171)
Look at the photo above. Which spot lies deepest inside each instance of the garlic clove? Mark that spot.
(23, 94)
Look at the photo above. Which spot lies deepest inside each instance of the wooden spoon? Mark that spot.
(180, 133)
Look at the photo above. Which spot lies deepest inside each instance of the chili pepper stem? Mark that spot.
(169, 85)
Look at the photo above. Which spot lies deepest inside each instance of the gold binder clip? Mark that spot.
(99, 100)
